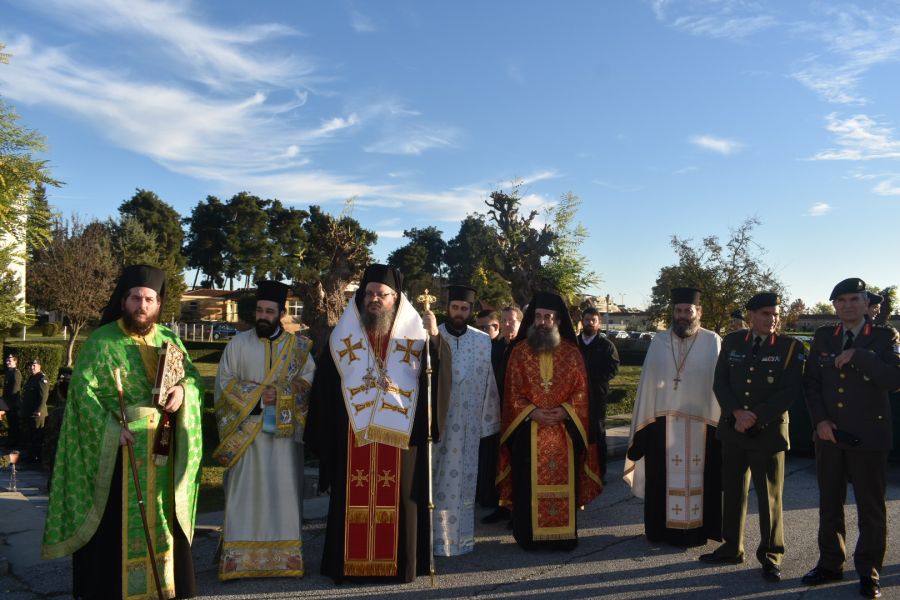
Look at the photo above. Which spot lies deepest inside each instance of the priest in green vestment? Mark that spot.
(93, 512)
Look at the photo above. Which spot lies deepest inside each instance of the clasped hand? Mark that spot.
(549, 416)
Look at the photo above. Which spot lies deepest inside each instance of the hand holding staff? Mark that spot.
(428, 322)
(128, 439)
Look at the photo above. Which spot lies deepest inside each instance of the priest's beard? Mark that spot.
(543, 340)
(378, 322)
(139, 321)
(265, 328)
(686, 327)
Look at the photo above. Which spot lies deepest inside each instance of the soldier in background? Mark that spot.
(33, 413)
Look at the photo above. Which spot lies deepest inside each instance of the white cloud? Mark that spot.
(720, 145)
(859, 138)
(390, 233)
(413, 142)
(888, 187)
(728, 19)
(683, 170)
(819, 209)
(360, 22)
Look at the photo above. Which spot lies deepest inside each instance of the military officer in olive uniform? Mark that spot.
(33, 412)
(851, 370)
(758, 377)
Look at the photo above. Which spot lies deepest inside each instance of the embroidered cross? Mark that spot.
(552, 511)
(386, 478)
(677, 460)
(396, 390)
(546, 385)
(697, 460)
(407, 351)
(552, 465)
(350, 347)
(695, 510)
(369, 382)
(359, 478)
(404, 410)
(677, 509)
(362, 406)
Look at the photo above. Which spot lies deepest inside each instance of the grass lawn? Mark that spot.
(622, 390)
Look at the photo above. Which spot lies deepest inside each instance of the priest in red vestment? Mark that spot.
(547, 469)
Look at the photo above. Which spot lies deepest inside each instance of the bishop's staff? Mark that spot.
(137, 485)
(426, 299)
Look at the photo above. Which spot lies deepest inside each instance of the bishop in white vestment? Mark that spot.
(474, 413)
(674, 460)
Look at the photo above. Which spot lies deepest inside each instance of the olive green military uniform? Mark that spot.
(766, 384)
(855, 399)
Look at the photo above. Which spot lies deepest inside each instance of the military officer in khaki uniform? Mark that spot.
(852, 368)
(758, 377)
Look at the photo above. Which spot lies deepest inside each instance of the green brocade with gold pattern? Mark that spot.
(89, 442)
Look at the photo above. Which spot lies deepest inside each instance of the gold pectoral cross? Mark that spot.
(349, 349)
(675, 382)
(369, 382)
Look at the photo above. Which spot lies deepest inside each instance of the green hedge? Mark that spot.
(51, 357)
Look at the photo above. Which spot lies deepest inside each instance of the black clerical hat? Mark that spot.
(273, 291)
(389, 276)
(460, 293)
(133, 276)
(685, 295)
(848, 286)
(762, 300)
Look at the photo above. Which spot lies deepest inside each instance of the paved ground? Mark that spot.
(613, 558)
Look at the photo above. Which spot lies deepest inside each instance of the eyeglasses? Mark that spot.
(381, 296)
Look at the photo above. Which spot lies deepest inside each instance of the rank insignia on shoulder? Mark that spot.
(896, 348)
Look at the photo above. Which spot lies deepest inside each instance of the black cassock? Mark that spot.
(650, 444)
(327, 426)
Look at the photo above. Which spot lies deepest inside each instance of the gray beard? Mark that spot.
(543, 340)
(686, 330)
(378, 323)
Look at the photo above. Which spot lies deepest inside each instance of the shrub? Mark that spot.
(50, 329)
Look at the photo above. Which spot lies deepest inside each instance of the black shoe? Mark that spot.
(820, 575)
(869, 588)
(499, 514)
(718, 559)
(771, 572)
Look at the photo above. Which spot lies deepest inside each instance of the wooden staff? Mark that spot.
(426, 300)
(137, 485)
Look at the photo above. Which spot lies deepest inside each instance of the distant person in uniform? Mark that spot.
(874, 309)
(33, 413)
(12, 393)
(852, 368)
(758, 377)
(737, 322)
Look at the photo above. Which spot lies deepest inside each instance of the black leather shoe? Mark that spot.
(499, 514)
(869, 588)
(771, 572)
(717, 559)
(820, 575)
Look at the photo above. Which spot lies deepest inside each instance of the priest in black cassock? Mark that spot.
(674, 461)
(367, 424)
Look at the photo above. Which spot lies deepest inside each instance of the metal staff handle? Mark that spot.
(426, 299)
(137, 486)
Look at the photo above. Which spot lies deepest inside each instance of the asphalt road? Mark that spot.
(613, 560)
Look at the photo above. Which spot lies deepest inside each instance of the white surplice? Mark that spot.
(689, 405)
(474, 413)
(264, 489)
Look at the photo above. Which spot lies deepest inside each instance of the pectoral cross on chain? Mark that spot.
(675, 382)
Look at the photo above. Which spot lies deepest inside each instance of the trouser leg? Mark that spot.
(868, 470)
(767, 471)
(831, 471)
(735, 485)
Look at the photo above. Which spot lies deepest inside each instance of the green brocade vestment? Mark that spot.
(89, 443)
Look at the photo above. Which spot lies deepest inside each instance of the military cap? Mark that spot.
(737, 315)
(848, 286)
(875, 298)
(762, 300)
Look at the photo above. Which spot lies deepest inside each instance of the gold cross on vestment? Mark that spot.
(386, 478)
(350, 347)
(407, 350)
(404, 410)
(677, 509)
(369, 382)
(677, 460)
(697, 460)
(359, 478)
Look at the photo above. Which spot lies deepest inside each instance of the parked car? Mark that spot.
(614, 334)
(223, 331)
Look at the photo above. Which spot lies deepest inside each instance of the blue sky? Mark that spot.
(665, 117)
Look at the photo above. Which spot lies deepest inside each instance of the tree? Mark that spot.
(338, 249)
(566, 271)
(74, 274)
(205, 242)
(246, 243)
(287, 239)
(888, 304)
(421, 260)
(823, 308)
(473, 258)
(792, 315)
(160, 219)
(727, 275)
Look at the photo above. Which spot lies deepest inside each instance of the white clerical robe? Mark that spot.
(688, 405)
(474, 413)
(264, 488)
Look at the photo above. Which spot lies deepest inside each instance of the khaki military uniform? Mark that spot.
(766, 384)
(855, 399)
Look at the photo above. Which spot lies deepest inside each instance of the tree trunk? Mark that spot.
(70, 345)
